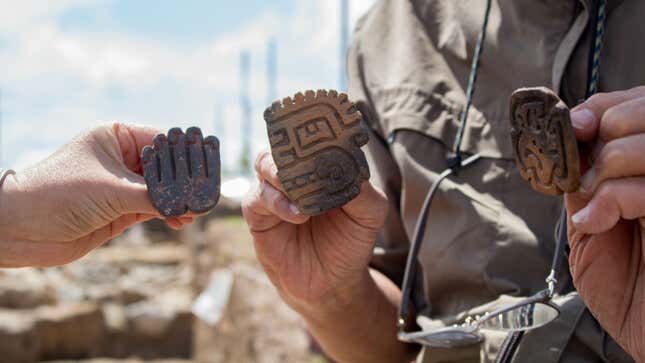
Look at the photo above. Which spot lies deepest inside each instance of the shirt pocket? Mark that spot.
(438, 116)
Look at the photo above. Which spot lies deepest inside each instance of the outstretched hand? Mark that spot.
(607, 215)
(86, 193)
(313, 261)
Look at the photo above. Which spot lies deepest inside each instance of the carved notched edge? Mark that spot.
(340, 101)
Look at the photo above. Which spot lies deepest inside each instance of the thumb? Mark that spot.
(573, 203)
(133, 195)
(369, 208)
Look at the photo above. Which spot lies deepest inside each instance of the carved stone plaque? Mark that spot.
(182, 172)
(546, 151)
(315, 141)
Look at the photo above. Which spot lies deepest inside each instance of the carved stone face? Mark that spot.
(546, 151)
(315, 142)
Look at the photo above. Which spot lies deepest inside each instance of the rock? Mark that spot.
(256, 326)
(157, 230)
(161, 327)
(161, 254)
(18, 342)
(70, 331)
(211, 303)
(116, 331)
(67, 289)
(24, 288)
(129, 360)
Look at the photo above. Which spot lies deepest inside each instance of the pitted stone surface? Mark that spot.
(546, 150)
(316, 140)
(182, 172)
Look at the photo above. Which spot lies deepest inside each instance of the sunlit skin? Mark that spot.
(607, 223)
(86, 193)
(320, 267)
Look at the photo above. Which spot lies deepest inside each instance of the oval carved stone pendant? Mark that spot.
(182, 172)
(546, 150)
(316, 140)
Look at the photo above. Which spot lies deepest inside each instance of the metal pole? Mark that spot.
(218, 122)
(344, 43)
(1, 164)
(272, 71)
(245, 103)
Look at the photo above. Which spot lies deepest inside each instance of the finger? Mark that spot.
(586, 117)
(132, 138)
(267, 170)
(143, 217)
(278, 204)
(614, 199)
(265, 207)
(211, 150)
(617, 159)
(174, 223)
(195, 149)
(177, 142)
(151, 164)
(163, 151)
(132, 194)
(585, 124)
(256, 216)
(186, 220)
(369, 208)
(625, 119)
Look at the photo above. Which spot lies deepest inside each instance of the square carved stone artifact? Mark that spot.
(182, 172)
(316, 140)
(546, 150)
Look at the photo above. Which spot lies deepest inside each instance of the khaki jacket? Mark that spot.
(489, 236)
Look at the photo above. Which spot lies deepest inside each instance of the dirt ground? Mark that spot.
(131, 301)
(257, 326)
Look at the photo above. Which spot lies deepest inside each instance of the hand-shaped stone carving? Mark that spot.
(315, 141)
(546, 151)
(182, 172)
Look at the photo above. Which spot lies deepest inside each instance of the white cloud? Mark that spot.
(56, 83)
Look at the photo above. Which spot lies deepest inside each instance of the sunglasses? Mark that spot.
(529, 313)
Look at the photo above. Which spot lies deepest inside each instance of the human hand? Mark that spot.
(607, 215)
(86, 193)
(316, 263)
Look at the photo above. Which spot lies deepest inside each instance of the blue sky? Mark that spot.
(67, 65)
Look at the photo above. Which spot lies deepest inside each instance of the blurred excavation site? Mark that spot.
(154, 294)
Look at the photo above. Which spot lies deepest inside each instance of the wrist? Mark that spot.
(354, 298)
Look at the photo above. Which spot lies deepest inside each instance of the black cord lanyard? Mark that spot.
(455, 162)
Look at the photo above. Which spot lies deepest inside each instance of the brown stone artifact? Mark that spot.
(316, 140)
(182, 172)
(546, 151)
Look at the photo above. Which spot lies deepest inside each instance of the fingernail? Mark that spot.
(586, 182)
(294, 209)
(582, 119)
(581, 216)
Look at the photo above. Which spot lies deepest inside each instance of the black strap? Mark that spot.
(419, 234)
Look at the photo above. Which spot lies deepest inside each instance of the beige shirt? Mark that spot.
(488, 234)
